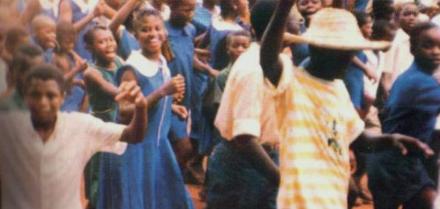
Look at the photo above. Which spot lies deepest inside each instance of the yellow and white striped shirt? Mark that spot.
(318, 124)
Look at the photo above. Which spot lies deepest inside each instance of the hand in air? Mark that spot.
(129, 91)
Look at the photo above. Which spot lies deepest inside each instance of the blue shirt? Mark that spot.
(413, 104)
(181, 43)
(354, 81)
(202, 19)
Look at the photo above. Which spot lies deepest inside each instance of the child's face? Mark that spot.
(45, 36)
(242, 6)
(44, 99)
(67, 42)
(367, 28)
(151, 34)
(309, 7)
(237, 45)
(408, 16)
(427, 50)
(104, 45)
(184, 12)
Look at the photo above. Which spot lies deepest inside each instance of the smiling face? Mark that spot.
(427, 49)
(104, 45)
(151, 34)
(45, 36)
(44, 99)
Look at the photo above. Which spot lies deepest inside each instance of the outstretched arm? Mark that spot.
(271, 44)
(367, 142)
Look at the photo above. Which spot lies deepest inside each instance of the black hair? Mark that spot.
(383, 9)
(260, 16)
(64, 28)
(23, 57)
(141, 14)
(361, 17)
(237, 33)
(227, 8)
(89, 37)
(381, 29)
(415, 34)
(46, 72)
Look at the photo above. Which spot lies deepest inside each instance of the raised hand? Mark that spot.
(129, 91)
(180, 111)
(175, 86)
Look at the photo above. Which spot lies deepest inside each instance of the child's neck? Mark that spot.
(44, 129)
(151, 56)
(105, 63)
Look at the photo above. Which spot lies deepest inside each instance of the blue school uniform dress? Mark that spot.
(300, 51)
(202, 19)
(147, 175)
(78, 14)
(411, 109)
(182, 46)
(75, 95)
(127, 44)
(354, 81)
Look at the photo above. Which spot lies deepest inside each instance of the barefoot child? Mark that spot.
(147, 175)
(45, 151)
(318, 121)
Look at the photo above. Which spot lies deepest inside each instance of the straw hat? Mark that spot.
(335, 29)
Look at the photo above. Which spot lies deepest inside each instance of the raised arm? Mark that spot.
(94, 78)
(136, 129)
(66, 14)
(121, 15)
(272, 41)
(32, 8)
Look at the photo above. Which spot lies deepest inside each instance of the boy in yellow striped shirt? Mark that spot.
(319, 122)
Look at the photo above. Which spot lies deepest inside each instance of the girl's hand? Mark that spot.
(407, 143)
(180, 111)
(371, 75)
(175, 86)
(99, 9)
(81, 65)
(131, 92)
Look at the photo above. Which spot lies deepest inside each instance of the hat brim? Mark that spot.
(336, 43)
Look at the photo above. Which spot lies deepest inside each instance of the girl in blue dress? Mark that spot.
(147, 175)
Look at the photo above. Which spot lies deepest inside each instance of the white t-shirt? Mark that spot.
(47, 175)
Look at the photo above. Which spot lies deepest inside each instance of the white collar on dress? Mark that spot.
(146, 66)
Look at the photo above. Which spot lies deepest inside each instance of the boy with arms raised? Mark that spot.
(318, 121)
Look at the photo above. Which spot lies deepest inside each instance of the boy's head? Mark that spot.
(309, 7)
(425, 45)
(15, 36)
(66, 36)
(44, 93)
(182, 11)
(407, 15)
(233, 8)
(44, 31)
(383, 10)
(236, 43)
(333, 38)
(24, 58)
(261, 14)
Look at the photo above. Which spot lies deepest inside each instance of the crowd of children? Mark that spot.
(117, 104)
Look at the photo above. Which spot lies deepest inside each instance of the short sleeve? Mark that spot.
(247, 108)
(104, 136)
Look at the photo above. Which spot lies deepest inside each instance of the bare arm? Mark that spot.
(248, 146)
(367, 142)
(93, 77)
(121, 15)
(32, 8)
(66, 14)
(272, 42)
(175, 86)
(368, 71)
(136, 129)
